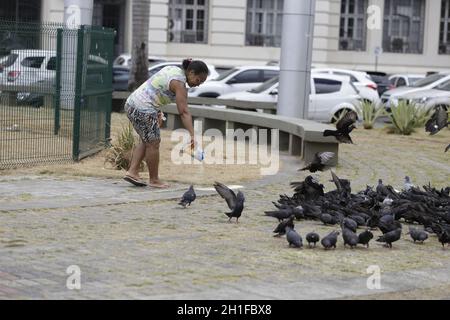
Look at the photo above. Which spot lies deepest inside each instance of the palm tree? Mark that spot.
(139, 61)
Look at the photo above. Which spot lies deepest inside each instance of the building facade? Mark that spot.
(387, 35)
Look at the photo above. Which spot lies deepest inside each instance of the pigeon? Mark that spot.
(235, 202)
(280, 214)
(188, 197)
(438, 120)
(280, 230)
(293, 238)
(330, 240)
(390, 237)
(344, 126)
(327, 218)
(443, 237)
(408, 184)
(349, 224)
(312, 237)
(349, 237)
(446, 149)
(364, 237)
(418, 235)
(320, 161)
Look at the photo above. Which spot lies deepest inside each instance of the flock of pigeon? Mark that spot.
(380, 208)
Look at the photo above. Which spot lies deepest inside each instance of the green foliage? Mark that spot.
(407, 116)
(370, 113)
(119, 155)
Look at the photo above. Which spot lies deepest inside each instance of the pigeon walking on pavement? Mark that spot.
(417, 235)
(365, 237)
(188, 197)
(312, 237)
(293, 238)
(235, 202)
(390, 237)
(330, 240)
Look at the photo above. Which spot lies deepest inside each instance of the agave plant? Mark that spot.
(119, 155)
(407, 116)
(370, 113)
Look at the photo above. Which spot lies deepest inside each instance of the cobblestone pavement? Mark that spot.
(136, 243)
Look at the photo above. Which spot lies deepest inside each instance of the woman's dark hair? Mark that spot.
(199, 67)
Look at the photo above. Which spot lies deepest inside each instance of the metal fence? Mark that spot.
(56, 90)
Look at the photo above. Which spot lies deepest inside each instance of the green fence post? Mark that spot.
(57, 124)
(78, 95)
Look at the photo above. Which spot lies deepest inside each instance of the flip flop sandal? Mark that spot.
(135, 182)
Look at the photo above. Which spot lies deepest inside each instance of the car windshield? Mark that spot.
(264, 86)
(413, 80)
(8, 60)
(225, 74)
(445, 86)
(428, 80)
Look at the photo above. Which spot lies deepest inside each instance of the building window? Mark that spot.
(188, 21)
(352, 28)
(264, 23)
(403, 26)
(444, 32)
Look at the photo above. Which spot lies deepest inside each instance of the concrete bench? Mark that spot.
(297, 136)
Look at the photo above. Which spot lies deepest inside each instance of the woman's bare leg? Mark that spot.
(152, 159)
(136, 159)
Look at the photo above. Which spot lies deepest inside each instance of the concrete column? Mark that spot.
(295, 61)
(76, 13)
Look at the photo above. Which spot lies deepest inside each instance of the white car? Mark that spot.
(124, 60)
(433, 81)
(29, 66)
(330, 95)
(366, 86)
(234, 80)
(431, 98)
(400, 80)
(213, 74)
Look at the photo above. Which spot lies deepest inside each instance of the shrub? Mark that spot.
(119, 155)
(370, 113)
(407, 116)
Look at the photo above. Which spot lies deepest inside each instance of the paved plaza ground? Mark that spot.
(137, 243)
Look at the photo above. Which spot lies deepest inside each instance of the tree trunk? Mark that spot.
(139, 55)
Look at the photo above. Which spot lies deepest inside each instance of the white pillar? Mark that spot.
(76, 13)
(295, 60)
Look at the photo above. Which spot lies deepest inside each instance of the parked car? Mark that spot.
(330, 95)
(234, 80)
(366, 86)
(28, 66)
(430, 82)
(430, 98)
(401, 80)
(124, 60)
(122, 74)
(381, 79)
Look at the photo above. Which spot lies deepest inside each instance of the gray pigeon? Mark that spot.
(235, 202)
(330, 240)
(188, 197)
(417, 235)
(349, 224)
(349, 237)
(390, 237)
(328, 219)
(293, 238)
(408, 184)
(312, 237)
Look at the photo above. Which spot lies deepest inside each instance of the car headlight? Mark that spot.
(422, 100)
